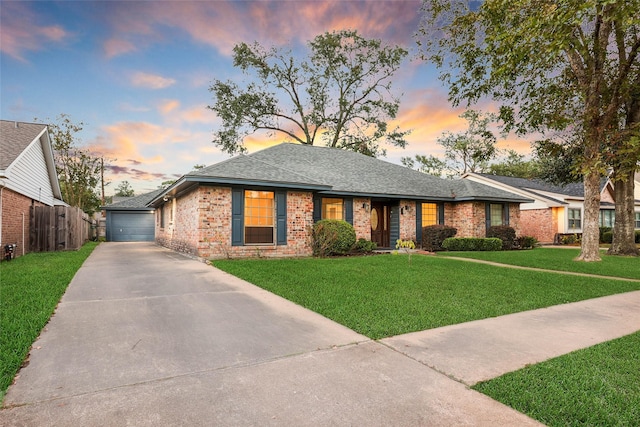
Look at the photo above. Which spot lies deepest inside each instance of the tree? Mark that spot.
(472, 150)
(514, 164)
(553, 66)
(340, 95)
(124, 190)
(78, 170)
(430, 164)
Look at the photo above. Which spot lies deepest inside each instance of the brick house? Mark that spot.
(556, 210)
(27, 178)
(265, 203)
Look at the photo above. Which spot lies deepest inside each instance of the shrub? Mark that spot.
(434, 235)
(607, 237)
(365, 246)
(472, 244)
(602, 231)
(505, 233)
(526, 242)
(332, 237)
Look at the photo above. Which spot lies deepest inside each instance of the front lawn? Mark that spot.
(597, 386)
(30, 288)
(559, 259)
(384, 295)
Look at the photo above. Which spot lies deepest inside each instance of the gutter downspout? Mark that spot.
(1, 217)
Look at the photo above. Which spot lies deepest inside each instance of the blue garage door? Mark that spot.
(136, 226)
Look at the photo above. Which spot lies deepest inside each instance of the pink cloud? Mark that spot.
(151, 81)
(29, 33)
(115, 47)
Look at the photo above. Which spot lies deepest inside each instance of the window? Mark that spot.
(575, 218)
(429, 214)
(496, 214)
(607, 218)
(637, 219)
(258, 216)
(332, 208)
(162, 216)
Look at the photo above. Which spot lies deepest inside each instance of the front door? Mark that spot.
(380, 216)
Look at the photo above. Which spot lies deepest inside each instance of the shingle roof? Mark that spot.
(344, 172)
(15, 137)
(136, 202)
(575, 189)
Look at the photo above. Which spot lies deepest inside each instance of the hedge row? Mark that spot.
(472, 244)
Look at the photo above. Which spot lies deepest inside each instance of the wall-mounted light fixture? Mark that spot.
(166, 198)
(404, 209)
(365, 206)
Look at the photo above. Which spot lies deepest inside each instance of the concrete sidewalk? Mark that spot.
(145, 336)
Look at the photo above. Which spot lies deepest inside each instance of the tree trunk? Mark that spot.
(590, 230)
(624, 226)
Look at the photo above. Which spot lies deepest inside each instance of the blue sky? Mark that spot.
(137, 73)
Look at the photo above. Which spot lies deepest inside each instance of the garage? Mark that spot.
(130, 226)
(131, 220)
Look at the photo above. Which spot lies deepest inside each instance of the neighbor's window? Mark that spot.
(637, 219)
(496, 212)
(332, 208)
(258, 216)
(607, 218)
(429, 214)
(575, 218)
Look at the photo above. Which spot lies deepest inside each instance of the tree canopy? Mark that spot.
(78, 170)
(124, 189)
(340, 94)
(554, 66)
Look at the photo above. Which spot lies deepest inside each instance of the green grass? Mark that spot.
(597, 386)
(30, 288)
(559, 259)
(384, 295)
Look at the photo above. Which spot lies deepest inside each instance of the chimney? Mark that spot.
(16, 124)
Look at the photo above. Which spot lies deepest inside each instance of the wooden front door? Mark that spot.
(380, 217)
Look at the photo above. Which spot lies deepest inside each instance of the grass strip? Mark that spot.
(597, 386)
(560, 259)
(30, 288)
(385, 295)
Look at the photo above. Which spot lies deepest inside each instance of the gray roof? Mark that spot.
(575, 189)
(336, 171)
(15, 138)
(136, 202)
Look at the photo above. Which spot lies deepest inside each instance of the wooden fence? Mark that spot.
(58, 228)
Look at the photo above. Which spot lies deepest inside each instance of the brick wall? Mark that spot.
(468, 218)
(407, 221)
(15, 208)
(362, 217)
(539, 223)
(202, 226)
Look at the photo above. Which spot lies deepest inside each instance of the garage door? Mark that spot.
(137, 226)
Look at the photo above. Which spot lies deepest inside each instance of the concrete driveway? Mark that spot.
(147, 337)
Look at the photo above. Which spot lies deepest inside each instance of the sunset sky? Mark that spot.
(137, 73)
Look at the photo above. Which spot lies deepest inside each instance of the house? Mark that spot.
(265, 203)
(129, 219)
(27, 178)
(557, 209)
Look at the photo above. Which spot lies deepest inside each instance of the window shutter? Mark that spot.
(419, 222)
(237, 217)
(441, 213)
(281, 217)
(317, 208)
(348, 210)
(487, 216)
(506, 213)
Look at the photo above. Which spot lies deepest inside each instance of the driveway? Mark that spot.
(147, 337)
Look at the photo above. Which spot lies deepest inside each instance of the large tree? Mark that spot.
(124, 189)
(340, 94)
(552, 65)
(78, 169)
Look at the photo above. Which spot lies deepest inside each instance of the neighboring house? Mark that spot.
(27, 178)
(557, 210)
(265, 203)
(129, 219)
